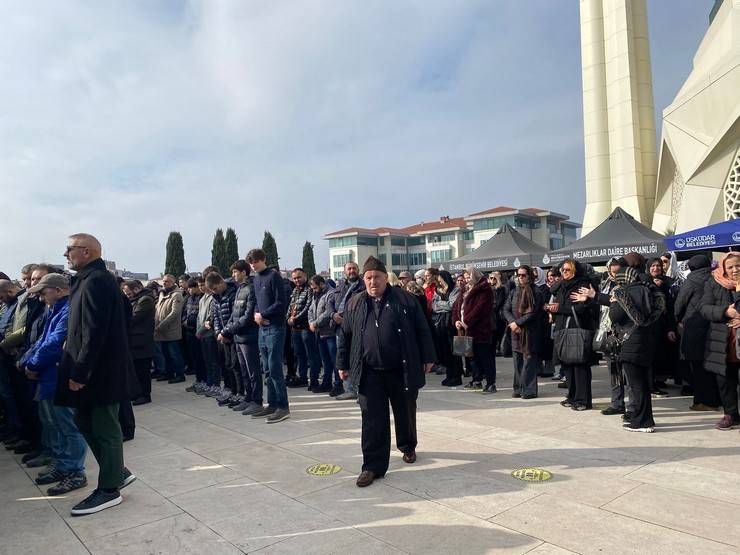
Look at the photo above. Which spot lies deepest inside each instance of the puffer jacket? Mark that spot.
(321, 311)
(241, 325)
(714, 303)
(300, 302)
(687, 310)
(222, 306)
(46, 353)
(168, 316)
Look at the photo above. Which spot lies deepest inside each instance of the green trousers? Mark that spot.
(102, 431)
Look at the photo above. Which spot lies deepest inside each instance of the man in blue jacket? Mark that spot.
(269, 314)
(65, 441)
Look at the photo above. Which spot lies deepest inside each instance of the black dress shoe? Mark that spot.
(176, 380)
(562, 385)
(141, 401)
(323, 389)
(451, 383)
(162, 378)
(24, 447)
(609, 411)
(516, 395)
(530, 396)
(409, 458)
(365, 478)
(127, 438)
(32, 455)
(299, 383)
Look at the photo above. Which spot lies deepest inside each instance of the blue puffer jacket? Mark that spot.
(47, 351)
(222, 306)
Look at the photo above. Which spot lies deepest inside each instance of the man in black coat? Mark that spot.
(386, 348)
(96, 370)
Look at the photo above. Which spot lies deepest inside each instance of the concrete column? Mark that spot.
(595, 116)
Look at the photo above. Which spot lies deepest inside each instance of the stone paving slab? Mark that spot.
(213, 481)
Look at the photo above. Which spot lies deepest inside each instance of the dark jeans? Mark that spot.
(195, 356)
(209, 348)
(173, 361)
(328, 352)
(101, 430)
(705, 385)
(232, 369)
(62, 437)
(12, 416)
(376, 390)
(578, 377)
(525, 373)
(251, 369)
(142, 367)
(271, 343)
(639, 380)
(728, 391)
(306, 351)
(484, 356)
(288, 355)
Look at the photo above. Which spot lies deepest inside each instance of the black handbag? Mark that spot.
(574, 345)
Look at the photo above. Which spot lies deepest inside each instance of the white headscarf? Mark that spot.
(541, 276)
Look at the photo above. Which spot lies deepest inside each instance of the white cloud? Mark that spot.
(131, 119)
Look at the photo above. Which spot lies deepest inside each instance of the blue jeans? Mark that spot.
(65, 441)
(328, 351)
(158, 359)
(307, 352)
(249, 362)
(174, 365)
(271, 344)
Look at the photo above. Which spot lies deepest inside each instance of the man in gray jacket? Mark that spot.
(168, 330)
(321, 323)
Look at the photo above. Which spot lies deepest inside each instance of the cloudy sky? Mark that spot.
(131, 119)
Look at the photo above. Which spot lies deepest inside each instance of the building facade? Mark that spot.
(699, 173)
(427, 244)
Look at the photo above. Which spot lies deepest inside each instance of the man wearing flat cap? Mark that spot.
(386, 349)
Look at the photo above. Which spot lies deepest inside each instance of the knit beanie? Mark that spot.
(372, 264)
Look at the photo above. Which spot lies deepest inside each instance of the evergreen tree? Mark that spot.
(218, 253)
(174, 262)
(308, 262)
(231, 247)
(270, 248)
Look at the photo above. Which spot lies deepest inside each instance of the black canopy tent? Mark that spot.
(507, 250)
(619, 234)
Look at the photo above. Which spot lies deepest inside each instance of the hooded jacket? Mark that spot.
(321, 311)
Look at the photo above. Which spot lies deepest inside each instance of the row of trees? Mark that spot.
(225, 252)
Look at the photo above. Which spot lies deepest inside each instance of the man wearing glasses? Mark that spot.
(96, 370)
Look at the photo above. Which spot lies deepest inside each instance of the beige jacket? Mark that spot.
(168, 316)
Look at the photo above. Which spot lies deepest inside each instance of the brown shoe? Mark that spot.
(702, 407)
(365, 478)
(409, 458)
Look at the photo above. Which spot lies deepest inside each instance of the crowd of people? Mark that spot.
(78, 351)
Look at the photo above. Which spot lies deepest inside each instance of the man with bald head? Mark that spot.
(96, 371)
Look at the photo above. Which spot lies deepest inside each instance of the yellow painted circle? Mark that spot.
(323, 469)
(532, 475)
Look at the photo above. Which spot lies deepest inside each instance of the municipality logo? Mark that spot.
(546, 259)
(736, 236)
(517, 263)
(680, 243)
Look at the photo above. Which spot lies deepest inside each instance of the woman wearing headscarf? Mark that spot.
(718, 307)
(693, 330)
(569, 314)
(525, 316)
(444, 298)
(632, 313)
(665, 362)
(472, 316)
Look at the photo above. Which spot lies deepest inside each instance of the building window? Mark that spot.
(417, 259)
(367, 241)
(495, 222)
(467, 235)
(341, 259)
(338, 276)
(398, 241)
(552, 225)
(556, 243)
(441, 255)
(381, 241)
(469, 249)
(343, 242)
(414, 241)
(382, 257)
(570, 234)
(398, 259)
(526, 223)
(442, 238)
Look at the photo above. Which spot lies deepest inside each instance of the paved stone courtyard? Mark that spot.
(212, 481)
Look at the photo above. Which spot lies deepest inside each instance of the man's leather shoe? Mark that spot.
(365, 478)
(409, 458)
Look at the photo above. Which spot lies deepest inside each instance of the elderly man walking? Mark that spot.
(96, 370)
(386, 347)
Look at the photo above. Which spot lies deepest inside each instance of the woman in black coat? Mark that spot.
(632, 314)
(665, 362)
(141, 336)
(569, 314)
(718, 306)
(693, 330)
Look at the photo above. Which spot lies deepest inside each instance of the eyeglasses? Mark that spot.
(522, 275)
(71, 247)
(566, 270)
